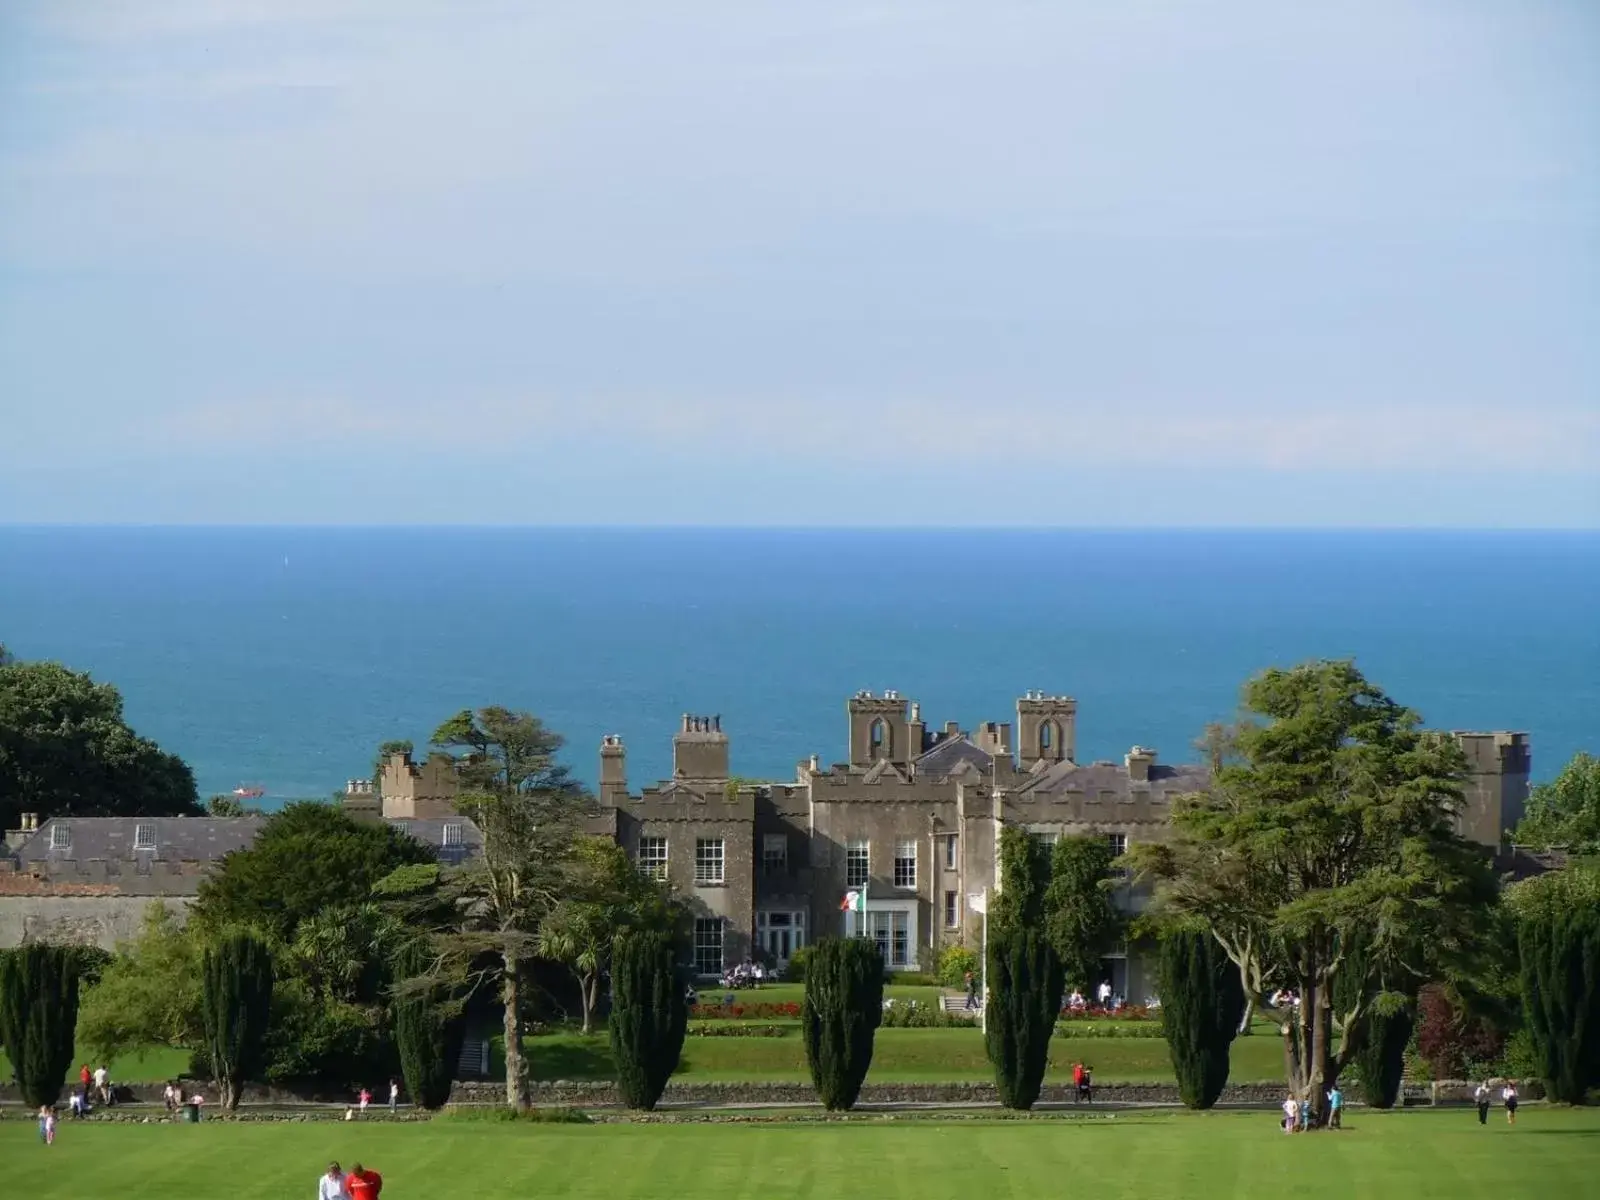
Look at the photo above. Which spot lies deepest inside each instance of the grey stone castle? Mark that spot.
(909, 819)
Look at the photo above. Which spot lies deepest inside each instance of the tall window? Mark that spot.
(1118, 842)
(708, 861)
(775, 853)
(1046, 839)
(653, 857)
(60, 837)
(144, 837)
(452, 834)
(892, 933)
(857, 862)
(708, 945)
(880, 739)
(952, 911)
(1047, 735)
(905, 863)
(950, 852)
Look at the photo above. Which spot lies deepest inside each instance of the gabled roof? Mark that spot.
(949, 754)
(883, 769)
(1113, 777)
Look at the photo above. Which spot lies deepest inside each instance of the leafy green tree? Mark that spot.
(1025, 985)
(1565, 813)
(38, 1017)
(1080, 917)
(149, 995)
(344, 953)
(529, 811)
(606, 894)
(309, 858)
(1201, 1002)
(649, 1015)
(1024, 879)
(236, 981)
(840, 1013)
(1558, 936)
(1336, 821)
(231, 806)
(65, 750)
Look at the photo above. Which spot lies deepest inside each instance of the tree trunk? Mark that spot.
(1318, 1073)
(511, 997)
(1249, 1013)
(587, 986)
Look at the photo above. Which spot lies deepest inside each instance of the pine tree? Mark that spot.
(1560, 960)
(39, 1017)
(649, 1015)
(1025, 983)
(236, 977)
(1202, 1001)
(428, 1032)
(841, 1011)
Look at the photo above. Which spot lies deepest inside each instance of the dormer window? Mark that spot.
(144, 837)
(452, 834)
(60, 836)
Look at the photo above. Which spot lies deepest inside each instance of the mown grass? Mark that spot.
(1551, 1152)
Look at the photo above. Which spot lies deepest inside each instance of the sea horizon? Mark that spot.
(281, 655)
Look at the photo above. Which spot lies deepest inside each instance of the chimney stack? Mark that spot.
(1139, 761)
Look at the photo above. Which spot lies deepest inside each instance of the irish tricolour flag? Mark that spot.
(853, 901)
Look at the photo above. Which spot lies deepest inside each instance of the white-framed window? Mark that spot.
(952, 910)
(708, 945)
(708, 863)
(892, 932)
(1118, 842)
(905, 863)
(780, 934)
(857, 862)
(60, 836)
(1046, 838)
(950, 852)
(653, 857)
(775, 853)
(144, 836)
(452, 834)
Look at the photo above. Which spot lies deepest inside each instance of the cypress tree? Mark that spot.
(428, 1033)
(1559, 951)
(39, 1017)
(1381, 1058)
(649, 1015)
(236, 1005)
(1025, 982)
(1202, 1001)
(841, 1011)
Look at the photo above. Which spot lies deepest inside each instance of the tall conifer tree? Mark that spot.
(842, 1009)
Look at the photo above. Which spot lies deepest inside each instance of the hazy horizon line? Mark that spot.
(692, 527)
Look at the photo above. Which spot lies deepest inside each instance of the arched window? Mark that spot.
(879, 735)
(1047, 735)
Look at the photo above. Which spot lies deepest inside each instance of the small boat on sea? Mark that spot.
(249, 793)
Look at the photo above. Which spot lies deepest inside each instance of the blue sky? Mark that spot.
(726, 263)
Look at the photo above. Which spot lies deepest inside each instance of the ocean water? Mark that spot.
(282, 657)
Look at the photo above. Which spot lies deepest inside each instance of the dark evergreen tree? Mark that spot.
(1381, 1059)
(428, 1032)
(236, 976)
(1025, 984)
(840, 1013)
(38, 1017)
(1559, 951)
(1202, 1001)
(649, 1015)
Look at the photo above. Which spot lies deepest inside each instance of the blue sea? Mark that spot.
(283, 657)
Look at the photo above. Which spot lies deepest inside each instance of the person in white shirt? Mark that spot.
(1103, 994)
(331, 1186)
(102, 1084)
(394, 1094)
(1481, 1098)
(1291, 1114)
(1509, 1095)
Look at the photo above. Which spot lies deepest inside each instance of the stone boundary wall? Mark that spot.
(604, 1095)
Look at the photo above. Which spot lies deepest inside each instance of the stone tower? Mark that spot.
(879, 729)
(1047, 729)
(1498, 765)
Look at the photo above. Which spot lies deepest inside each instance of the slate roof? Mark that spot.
(948, 754)
(177, 839)
(430, 832)
(1113, 777)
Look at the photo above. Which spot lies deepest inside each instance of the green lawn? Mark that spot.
(793, 993)
(898, 1056)
(1410, 1154)
(154, 1065)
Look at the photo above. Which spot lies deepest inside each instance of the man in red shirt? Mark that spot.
(363, 1184)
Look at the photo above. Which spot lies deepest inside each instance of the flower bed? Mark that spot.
(1128, 1012)
(742, 1030)
(759, 1010)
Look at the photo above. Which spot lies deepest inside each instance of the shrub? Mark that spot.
(1560, 959)
(1107, 1029)
(236, 989)
(499, 1114)
(911, 1014)
(1449, 1039)
(1129, 1012)
(1381, 1061)
(648, 1015)
(842, 1009)
(428, 1036)
(911, 978)
(39, 1017)
(1025, 983)
(795, 972)
(1202, 1002)
(955, 962)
